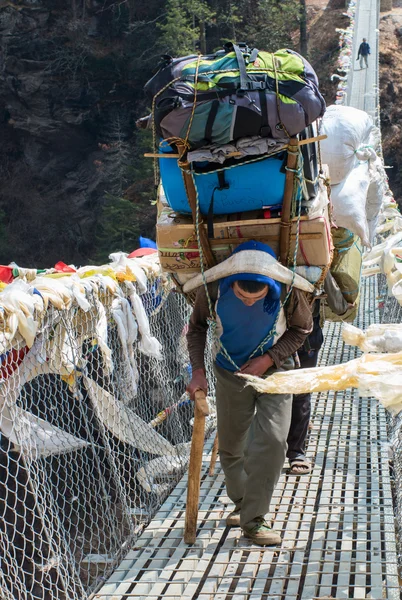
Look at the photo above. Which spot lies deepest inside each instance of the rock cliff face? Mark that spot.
(67, 107)
(390, 86)
(73, 183)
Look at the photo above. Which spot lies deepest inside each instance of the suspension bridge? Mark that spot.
(337, 524)
(94, 445)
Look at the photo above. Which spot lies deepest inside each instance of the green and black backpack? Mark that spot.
(235, 93)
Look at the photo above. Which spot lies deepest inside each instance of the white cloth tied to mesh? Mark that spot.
(120, 264)
(385, 258)
(22, 304)
(62, 291)
(163, 467)
(102, 336)
(34, 436)
(54, 291)
(25, 274)
(148, 344)
(150, 264)
(31, 435)
(82, 301)
(128, 330)
(124, 424)
(17, 314)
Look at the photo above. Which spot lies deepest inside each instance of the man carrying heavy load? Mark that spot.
(254, 336)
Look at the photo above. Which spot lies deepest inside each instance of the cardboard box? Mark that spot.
(177, 240)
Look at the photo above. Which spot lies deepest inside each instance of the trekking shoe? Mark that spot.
(233, 518)
(261, 533)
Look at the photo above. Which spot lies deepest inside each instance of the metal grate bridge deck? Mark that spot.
(337, 523)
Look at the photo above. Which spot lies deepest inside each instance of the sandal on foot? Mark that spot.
(300, 466)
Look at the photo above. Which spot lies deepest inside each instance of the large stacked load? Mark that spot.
(238, 161)
(230, 162)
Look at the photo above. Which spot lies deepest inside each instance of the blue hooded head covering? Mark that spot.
(272, 299)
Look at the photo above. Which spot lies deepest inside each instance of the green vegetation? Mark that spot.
(69, 119)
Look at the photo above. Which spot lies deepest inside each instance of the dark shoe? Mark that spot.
(233, 519)
(261, 533)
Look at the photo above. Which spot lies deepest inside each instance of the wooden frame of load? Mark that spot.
(177, 240)
(178, 248)
(179, 254)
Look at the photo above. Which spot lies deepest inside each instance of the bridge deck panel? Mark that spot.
(337, 523)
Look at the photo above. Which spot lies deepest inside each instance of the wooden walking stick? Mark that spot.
(201, 410)
(214, 456)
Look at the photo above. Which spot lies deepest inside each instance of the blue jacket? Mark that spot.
(240, 328)
(364, 49)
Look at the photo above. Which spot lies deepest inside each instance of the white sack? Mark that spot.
(312, 274)
(348, 130)
(375, 196)
(349, 202)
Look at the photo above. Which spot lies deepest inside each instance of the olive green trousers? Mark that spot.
(252, 431)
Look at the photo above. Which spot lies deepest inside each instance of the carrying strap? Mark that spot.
(210, 121)
(265, 128)
(245, 82)
(254, 55)
(192, 196)
(242, 68)
(223, 185)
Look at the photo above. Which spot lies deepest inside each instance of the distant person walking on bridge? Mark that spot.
(254, 336)
(364, 51)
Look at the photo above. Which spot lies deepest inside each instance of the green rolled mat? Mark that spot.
(346, 264)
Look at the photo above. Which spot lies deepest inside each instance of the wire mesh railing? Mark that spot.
(95, 429)
(391, 312)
